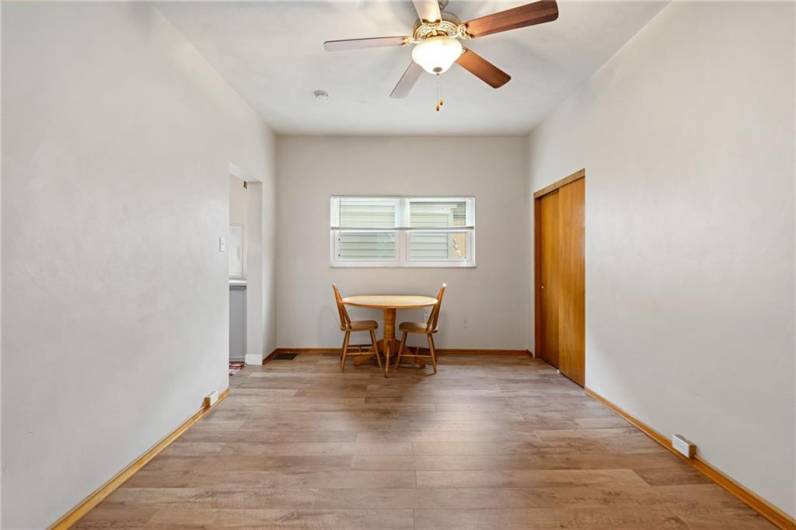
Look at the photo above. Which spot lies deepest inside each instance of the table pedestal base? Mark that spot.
(418, 362)
(388, 346)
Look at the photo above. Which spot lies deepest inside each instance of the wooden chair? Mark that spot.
(428, 329)
(348, 326)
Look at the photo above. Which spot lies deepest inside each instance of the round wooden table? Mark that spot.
(389, 303)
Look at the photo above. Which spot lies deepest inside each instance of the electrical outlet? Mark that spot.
(211, 399)
(683, 446)
(222, 244)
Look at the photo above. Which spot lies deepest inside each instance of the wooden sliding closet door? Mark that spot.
(560, 276)
(547, 227)
(571, 308)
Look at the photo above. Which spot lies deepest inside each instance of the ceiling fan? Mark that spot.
(437, 37)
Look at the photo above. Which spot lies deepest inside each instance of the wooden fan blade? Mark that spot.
(483, 69)
(407, 81)
(359, 44)
(519, 17)
(428, 10)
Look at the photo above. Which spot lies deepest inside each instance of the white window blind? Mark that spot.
(366, 246)
(357, 212)
(437, 213)
(437, 246)
(402, 231)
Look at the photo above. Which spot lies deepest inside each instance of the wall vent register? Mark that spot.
(402, 232)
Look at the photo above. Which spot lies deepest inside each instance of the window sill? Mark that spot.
(376, 265)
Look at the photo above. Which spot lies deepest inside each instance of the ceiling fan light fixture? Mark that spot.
(437, 54)
(435, 40)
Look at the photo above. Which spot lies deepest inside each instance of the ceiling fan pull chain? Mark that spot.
(440, 99)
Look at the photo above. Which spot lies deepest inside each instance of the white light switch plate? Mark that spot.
(222, 244)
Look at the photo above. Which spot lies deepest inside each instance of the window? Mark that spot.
(402, 232)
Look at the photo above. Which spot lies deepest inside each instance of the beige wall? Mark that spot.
(238, 202)
(687, 140)
(115, 192)
(238, 215)
(485, 307)
(686, 136)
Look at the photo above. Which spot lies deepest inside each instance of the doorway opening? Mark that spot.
(244, 247)
(236, 254)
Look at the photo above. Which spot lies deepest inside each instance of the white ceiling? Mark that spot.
(271, 53)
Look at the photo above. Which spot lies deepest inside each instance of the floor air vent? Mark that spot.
(284, 356)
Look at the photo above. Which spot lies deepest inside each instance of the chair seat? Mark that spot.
(363, 325)
(413, 327)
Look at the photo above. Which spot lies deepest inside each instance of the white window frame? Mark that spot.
(402, 230)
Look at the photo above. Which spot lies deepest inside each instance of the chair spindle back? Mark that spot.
(345, 320)
(433, 318)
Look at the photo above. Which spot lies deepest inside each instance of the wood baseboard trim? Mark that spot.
(466, 351)
(271, 355)
(98, 495)
(304, 350)
(441, 351)
(754, 501)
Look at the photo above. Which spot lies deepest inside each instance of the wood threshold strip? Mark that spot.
(98, 495)
(443, 351)
(751, 499)
(579, 174)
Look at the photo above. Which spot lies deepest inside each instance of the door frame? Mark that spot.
(537, 286)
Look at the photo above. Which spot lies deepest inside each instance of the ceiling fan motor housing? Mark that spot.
(449, 26)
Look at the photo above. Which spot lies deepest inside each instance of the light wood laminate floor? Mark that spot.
(491, 441)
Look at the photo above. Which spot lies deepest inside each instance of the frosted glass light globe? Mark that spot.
(436, 54)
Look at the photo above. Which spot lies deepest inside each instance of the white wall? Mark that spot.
(115, 191)
(687, 140)
(238, 202)
(261, 267)
(238, 215)
(485, 307)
